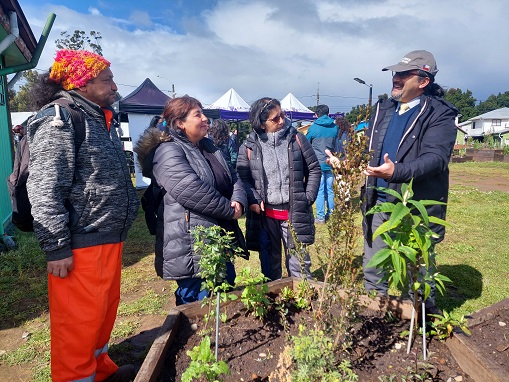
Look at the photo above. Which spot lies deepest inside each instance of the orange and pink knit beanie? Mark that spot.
(74, 68)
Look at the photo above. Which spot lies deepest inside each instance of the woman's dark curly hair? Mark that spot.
(260, 110)
(43, 91)
(219, 132)
(343, 125)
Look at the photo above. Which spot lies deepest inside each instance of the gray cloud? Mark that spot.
(262, 47)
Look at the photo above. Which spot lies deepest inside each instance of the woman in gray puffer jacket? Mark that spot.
(200, 190)
(281, 174)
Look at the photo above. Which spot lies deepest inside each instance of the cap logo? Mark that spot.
(426, 68)
(406, 60)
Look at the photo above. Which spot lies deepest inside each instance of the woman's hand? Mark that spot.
(257, 208)
(238, 209)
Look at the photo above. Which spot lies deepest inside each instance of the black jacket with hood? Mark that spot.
(191, 199)
(423, 154)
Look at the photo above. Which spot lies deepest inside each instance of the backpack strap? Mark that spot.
(298, 140)
(77, 119)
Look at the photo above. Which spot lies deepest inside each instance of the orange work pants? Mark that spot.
(83, 307)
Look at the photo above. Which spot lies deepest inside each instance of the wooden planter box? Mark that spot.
(500, 157)
(463, 159)
(151, 367)
(483, 155)
(470, 358)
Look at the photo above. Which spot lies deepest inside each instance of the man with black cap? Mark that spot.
(412, 135)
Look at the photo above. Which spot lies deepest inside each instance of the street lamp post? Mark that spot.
(172, 86)
(370, 99)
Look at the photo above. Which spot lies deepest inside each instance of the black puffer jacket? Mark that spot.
(191, 198)
(304, 182)
(423, 153)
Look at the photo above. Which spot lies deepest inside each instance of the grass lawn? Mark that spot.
(474, 256)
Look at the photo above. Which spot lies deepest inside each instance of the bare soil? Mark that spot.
(12, 335)
(495, 180)
(491, 337)
(251, 348)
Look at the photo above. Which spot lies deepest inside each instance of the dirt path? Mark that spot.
(496, 179)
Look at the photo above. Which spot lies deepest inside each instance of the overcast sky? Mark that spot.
(270, 47)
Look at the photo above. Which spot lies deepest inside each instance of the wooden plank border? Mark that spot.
(153, 363)
(469, 357)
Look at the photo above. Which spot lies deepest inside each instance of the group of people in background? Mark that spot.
(83, 200)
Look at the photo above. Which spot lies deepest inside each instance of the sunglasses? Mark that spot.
(278, 117)
(408, 74)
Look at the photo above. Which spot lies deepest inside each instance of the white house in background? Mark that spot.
(494, 122)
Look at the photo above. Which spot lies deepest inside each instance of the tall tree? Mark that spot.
(493, 102)
(79, 40)
(359, 112)
(464, 101)
(20, 99)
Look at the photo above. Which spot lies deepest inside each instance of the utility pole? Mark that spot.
(370, 99)
(318, 94)
(173, 94)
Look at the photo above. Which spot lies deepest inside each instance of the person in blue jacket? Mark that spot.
(412, 135)
(323, 135)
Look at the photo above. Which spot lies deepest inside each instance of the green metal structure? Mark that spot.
(19, 51)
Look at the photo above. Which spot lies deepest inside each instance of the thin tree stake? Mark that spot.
(423, 308)
(217, 323)
(411, 330)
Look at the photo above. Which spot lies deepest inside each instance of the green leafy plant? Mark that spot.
(408, 259)
(313, 354)
(216, 249)
(301, 298)
(287, 294)
(204, 364)
(254, 294)
(443, 325)
(305, 294)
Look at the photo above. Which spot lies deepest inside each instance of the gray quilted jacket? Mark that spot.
(191, 198)
(84, 202)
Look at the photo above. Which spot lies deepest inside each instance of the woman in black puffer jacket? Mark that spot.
(281, 174)
(201, 190)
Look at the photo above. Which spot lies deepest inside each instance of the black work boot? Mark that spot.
(124, 373)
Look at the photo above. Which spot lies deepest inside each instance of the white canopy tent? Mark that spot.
(230, 106)
(295, 109)
(231, 100)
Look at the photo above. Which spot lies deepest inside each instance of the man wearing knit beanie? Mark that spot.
(83, 203)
